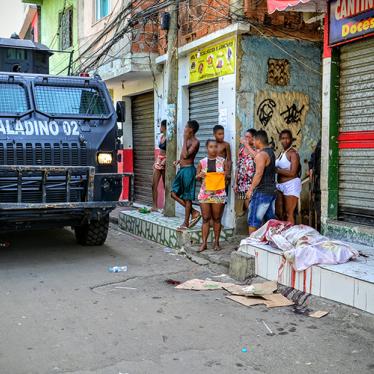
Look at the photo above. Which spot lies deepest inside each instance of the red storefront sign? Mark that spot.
(350, 20)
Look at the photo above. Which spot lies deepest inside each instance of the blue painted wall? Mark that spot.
(253, 69)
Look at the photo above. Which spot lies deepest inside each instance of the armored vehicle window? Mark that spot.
(13, 98)
(16, 54)
(70, 101)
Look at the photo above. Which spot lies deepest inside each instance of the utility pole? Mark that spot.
(172, 98)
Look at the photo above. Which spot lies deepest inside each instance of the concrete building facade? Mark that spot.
(243, 94)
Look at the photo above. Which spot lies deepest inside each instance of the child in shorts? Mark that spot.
(183, 189)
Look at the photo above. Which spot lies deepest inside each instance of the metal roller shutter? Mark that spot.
(356, 166)
(142, 109)
(204, 109)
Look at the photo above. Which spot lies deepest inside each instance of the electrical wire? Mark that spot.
(96, 60)
(97, 51)
(257, 27)
(107, 20)
(108, 28)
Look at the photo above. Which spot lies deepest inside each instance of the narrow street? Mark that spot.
(62, 311)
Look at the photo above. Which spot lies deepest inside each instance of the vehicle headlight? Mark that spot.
(104, 158)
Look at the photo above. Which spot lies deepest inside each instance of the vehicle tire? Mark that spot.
(93, 233)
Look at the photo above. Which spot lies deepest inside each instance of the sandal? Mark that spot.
(194, 221)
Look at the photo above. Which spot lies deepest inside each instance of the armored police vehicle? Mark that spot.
(58, 141)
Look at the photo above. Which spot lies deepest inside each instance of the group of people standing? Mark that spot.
(275, 185)
(269, 186)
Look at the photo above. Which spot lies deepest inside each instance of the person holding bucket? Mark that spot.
(211, 171)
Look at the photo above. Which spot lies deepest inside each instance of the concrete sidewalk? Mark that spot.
(225, 261)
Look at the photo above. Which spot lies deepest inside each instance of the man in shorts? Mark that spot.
(183, 189)
(262, 193)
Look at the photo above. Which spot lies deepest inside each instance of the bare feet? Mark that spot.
(182, 227)
(216, 246)
(203, 247)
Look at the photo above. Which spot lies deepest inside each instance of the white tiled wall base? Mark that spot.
(318, 280)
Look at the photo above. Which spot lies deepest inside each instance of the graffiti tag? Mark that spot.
(265, 111)
(292, 114)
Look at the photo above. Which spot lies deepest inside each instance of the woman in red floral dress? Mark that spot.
(245, 168)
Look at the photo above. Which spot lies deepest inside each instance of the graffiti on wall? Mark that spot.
(265, 111)
(292, 114)
(276, 111)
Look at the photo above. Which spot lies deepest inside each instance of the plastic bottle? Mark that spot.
(117, 269)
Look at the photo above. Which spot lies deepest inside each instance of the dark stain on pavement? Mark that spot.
(312, 327)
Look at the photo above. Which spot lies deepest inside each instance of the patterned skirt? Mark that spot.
(212, 197)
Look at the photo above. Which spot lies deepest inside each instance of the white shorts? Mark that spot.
(290, 188)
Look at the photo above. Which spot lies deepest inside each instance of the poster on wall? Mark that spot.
(350, 19)
(213, 61)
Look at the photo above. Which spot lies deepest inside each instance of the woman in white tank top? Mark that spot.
(289, 182)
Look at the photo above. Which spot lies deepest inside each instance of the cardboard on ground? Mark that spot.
(318, 314)
(256, 289)
(271, 301)
(202, 285)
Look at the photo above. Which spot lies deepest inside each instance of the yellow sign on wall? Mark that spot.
(213, 61)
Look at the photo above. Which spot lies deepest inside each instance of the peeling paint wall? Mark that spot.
(303, 89)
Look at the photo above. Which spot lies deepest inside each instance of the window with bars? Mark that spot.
(66, 29)
(70, 101)
(101, 8)
(13, 98)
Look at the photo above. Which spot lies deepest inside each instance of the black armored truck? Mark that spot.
(58, 147)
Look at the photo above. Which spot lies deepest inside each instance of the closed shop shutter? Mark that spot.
(142, 109)
(204, 109)
(356, 163)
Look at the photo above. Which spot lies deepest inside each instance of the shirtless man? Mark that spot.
(224, 149)
(262, 192)
(289, 184)
(183, 189)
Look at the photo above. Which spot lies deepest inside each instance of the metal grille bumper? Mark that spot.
(59, 154)
(42, 186)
